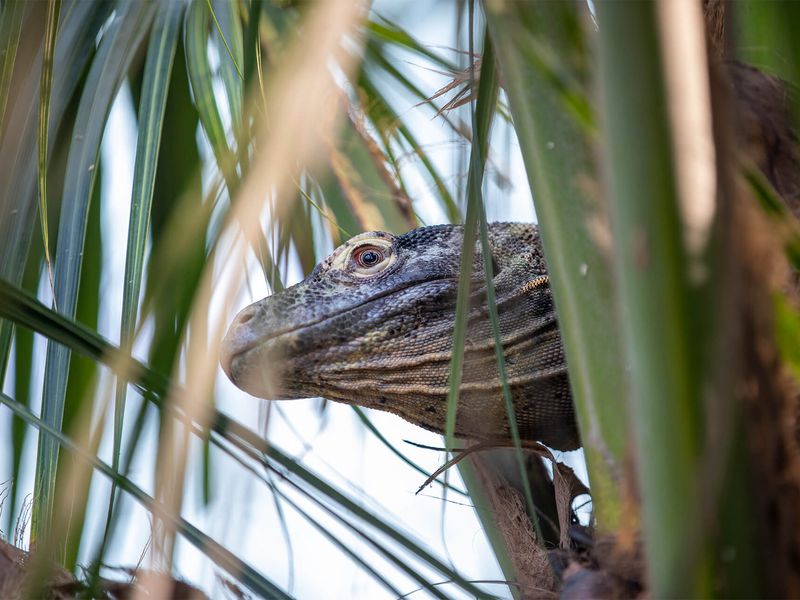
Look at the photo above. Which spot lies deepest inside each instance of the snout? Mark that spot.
(252, 355)
(237, 341)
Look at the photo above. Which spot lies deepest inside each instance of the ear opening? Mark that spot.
(495, 267)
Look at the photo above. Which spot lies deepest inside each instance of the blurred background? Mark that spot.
(165, 164)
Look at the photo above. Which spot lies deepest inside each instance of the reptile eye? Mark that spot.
(369, 256)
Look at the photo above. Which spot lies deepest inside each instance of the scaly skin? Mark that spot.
(372, 325)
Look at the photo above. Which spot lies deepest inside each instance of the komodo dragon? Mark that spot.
(372, 325)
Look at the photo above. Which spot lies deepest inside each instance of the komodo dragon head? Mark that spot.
(372, 325)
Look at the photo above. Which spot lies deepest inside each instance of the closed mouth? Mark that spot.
(274, 335)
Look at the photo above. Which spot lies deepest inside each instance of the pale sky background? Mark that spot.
(242, 514)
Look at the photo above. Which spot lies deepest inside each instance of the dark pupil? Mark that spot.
(370, 257)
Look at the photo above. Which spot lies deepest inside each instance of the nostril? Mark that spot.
(245, 316)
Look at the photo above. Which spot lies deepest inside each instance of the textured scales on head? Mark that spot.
(373, 325)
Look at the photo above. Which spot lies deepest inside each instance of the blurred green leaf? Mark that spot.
(158, 69)
(662, 324)
(23, 371)
(386, 31)
(108, 70)
(229, 30)
(82, 372)
(46, 81)
(196, 40)
(10, 30)
(787, 333)
(765, 36)
(559, 162)
(82, 21)
(485, 105)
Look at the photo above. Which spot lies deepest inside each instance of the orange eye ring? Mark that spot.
(369, 256)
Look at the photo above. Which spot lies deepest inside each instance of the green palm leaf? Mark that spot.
(108, 70)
